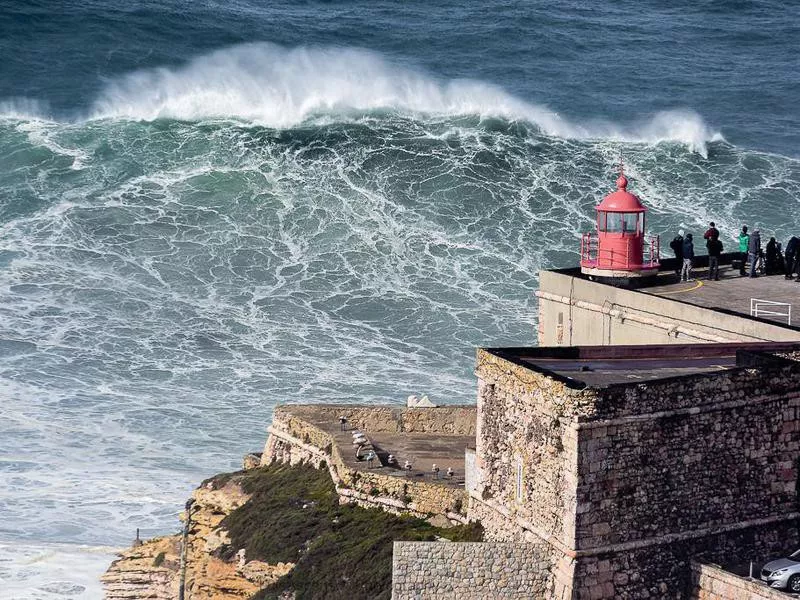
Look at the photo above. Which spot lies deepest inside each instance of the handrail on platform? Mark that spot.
(756, 309)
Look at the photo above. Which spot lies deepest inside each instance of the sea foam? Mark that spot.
(278, 87)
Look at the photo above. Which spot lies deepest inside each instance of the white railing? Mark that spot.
(770, 308)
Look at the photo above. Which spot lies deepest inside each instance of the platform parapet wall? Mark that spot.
(470, 570)
(444, 420)
(293, 439)
(710, 582)
(574, 311)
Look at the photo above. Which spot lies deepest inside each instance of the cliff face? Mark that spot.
(302, 520)
(149, 570)
(152, 570)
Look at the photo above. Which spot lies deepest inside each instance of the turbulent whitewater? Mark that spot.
(278, 87)
(188, 241)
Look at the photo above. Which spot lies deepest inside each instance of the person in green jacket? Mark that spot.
(744, 240)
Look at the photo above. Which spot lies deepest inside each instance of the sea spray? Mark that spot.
(279, 87)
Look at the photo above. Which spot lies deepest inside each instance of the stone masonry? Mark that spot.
(713, 583)
(475, 570)
(626, 482)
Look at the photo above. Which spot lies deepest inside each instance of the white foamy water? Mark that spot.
(52, 571)
(278, 87)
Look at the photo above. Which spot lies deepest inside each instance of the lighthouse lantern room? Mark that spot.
(619, 248)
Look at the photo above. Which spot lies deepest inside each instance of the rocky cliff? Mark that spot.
(153, 569)
(272, 532)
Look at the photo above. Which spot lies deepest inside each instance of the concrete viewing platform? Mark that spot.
(732, 293)
(576, 309)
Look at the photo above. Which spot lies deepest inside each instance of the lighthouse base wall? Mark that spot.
(575, 311)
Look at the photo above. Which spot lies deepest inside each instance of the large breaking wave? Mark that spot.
(279, 87)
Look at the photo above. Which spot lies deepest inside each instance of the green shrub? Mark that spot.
(159, 559)
(341, 551)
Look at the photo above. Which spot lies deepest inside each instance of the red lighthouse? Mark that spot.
(619, 249)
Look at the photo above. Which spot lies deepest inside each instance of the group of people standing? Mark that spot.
(683, 247)
(772, 262)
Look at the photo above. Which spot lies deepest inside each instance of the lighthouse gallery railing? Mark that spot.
(591, 255)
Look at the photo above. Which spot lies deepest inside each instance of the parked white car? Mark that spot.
(783, 573)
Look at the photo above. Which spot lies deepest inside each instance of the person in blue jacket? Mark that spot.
(688, 257)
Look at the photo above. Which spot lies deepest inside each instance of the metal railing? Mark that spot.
(769, 308)
(591, 254)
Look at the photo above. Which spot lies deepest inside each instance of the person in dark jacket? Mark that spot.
(790, 256)
(688, 257)
(754, 251)
(714, 250)
(677, 247)
(712, 233)
(771, 257)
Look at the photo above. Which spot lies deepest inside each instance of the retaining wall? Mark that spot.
(712, 583)
(470, 570)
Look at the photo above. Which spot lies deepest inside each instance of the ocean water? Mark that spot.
(208, 208)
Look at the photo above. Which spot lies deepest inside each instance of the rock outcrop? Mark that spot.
(149, 570)
(152, 569)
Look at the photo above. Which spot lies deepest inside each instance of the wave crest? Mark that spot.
(270, 85)
(25, 109)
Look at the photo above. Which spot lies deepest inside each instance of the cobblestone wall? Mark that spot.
(712, 583)
(474, 570)
(663, 570)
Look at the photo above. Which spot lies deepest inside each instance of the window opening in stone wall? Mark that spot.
(519, 479)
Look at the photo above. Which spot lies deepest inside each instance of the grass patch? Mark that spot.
(342, 552)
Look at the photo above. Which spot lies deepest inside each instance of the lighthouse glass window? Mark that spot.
(611, 222)
(630, 222)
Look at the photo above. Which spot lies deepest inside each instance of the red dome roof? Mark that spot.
(621, 200)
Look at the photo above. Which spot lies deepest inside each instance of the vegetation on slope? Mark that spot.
(341, 551)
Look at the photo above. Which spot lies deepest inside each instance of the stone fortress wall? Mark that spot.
(475, 570)
(626, 483)
(294, 438)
